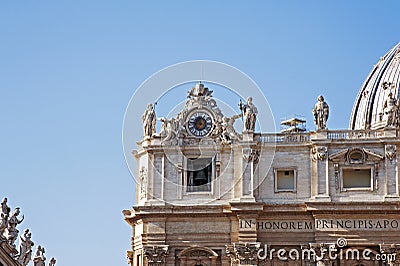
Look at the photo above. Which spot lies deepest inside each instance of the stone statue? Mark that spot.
(12, 231)
(169, 128)
(39, 259)
(228, 131)
(321, 113)
(25, 248)
(4, 208)
(3, 224)
(4, 215)
(391, 109)
(149, 121)
(250, 112)
(52, 262)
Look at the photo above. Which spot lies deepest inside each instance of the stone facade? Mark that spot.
(285, 193)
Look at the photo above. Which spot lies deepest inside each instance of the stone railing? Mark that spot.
(284, 137)
(334, 135)
(355, 134)
(302, 137)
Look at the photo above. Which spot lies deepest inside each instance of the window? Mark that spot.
(138, 260)
(199, 175)
(356, 178)
(285, 180)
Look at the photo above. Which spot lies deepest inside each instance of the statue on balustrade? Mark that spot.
(321, 113)
(391, 109)
(149, 121)
(12, 231)
(249, 111)
(25, 248)
(52, 262)
(39, 259)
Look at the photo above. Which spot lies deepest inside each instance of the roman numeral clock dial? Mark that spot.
(200, 124)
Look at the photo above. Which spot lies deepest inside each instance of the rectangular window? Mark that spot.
(356, 178)
(199, 174)
(285, 180)
(138, 260)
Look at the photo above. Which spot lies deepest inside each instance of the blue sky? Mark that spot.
(69, 68)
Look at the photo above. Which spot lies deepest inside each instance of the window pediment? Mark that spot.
(355, 156)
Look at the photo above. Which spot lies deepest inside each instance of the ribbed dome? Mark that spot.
(368, 110)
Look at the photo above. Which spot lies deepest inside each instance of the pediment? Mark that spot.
(355, 156)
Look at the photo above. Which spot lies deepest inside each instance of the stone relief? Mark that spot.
(149, 121)
(321, 113)
(390, 151)
(243, 253)
(143, 182)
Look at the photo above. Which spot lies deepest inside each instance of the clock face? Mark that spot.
(200, 124)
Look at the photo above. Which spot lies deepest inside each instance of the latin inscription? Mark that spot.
(320, 224)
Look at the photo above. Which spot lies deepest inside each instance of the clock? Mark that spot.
(200, 124)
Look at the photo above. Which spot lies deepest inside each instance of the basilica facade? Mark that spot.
(209, 194)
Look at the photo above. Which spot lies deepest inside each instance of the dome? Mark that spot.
(371, 109)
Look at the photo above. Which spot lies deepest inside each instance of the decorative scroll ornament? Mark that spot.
(243, 253)
(319, 153)
(155, 255)
(390, 152)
